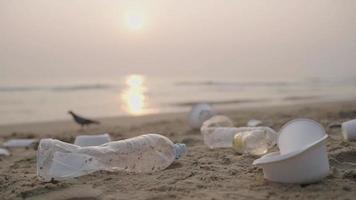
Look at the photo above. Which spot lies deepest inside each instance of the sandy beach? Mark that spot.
(201, 174)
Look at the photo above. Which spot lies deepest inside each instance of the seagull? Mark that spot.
(81, 120)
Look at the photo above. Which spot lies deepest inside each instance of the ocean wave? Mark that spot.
(294, 83)
(59, 88)
(222, 102)
(236, 83)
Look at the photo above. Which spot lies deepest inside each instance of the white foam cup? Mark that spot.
(297, 133)
(348, 130)
(303, 155)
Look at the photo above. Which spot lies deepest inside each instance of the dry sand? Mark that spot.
(201, 174)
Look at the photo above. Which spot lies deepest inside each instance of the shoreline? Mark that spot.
(50, 114)
(127, 121)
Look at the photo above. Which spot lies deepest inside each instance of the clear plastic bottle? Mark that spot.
(254, 142)
(199, 114)
(218, 132)
(146, 153)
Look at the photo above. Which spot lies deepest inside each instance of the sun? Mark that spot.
(135, 21)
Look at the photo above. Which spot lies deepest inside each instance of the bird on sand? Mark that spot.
(81, 120)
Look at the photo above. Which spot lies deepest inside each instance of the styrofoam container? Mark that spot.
(302, 157)
(92, 140)
(297, 133)
(348, 130)
(199, 114)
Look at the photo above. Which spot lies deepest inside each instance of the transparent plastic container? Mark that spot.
(222, 137)
(147, 153)
(254, 142)
(218, 132)
(199, 114)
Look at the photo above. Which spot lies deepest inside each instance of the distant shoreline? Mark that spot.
(47, 126)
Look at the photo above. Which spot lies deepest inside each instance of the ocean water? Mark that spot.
(138, 94)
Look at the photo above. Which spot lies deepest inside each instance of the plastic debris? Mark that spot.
(348, 130)
(92, 140)
(302, 157)
(254, 123)
(4, 152)
(254, 142)
(13, 143)
(146, 153)
(199, 114)
(218, 132)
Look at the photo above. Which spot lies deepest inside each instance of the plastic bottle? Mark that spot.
(199, 114)
(146, 153)
(254, 142)
(218, 132)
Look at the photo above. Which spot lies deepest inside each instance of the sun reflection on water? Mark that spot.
(133, 95)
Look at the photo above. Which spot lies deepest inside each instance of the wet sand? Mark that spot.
(201, 174)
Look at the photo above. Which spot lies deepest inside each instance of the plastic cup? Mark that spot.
(348, 130)
(307, 165)
(297, 133)
(303, 155)
(92, 140)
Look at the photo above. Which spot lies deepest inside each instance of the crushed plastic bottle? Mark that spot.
(146, 153)
(254, 142)
(218, 132)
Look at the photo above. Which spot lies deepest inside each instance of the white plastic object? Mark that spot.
(303, 155)
(4, 152)
(146, 153)
(222, 137)
(199, 114)
(13, 143)
(92, 140)
(254, 123)
(254, 142)
(348, 130)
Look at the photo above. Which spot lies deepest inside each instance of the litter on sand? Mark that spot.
(218, 132)
(4, 152)
(348, 130)
(302, 157)
(146, 153)
(199, 114)
(13, 143)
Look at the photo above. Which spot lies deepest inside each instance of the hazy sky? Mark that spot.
(42, 39)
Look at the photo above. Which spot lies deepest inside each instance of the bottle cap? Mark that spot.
(180, 149)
